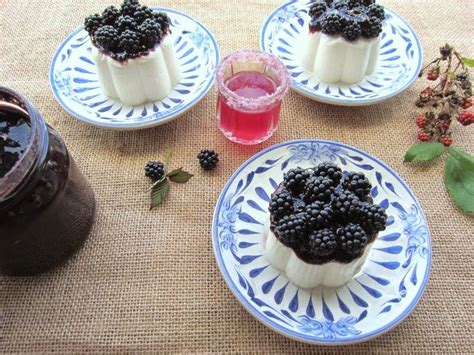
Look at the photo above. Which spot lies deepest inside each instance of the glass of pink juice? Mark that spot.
(251, 86)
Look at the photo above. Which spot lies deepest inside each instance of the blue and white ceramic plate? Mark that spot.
(386, 290)
(398, 66)
(75, 85)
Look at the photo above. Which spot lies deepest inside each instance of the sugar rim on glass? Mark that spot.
(262, 102)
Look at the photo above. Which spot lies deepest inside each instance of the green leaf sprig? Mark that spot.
(458, 172)
(161, 188)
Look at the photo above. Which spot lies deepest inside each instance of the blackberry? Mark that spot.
(150, 31)
(318, 188)
(107, 37)
(92, 23)
(329, 170)
(129, 7)
(110, 15)
(317, 9)
(155, 170)
(143, 13)
(461, 77)
(367, 2)
(351, 31)
(351, 238)
(126, 23)
(295, 180)
(373, 218)
(341, 5)
(357, 183)
(371, 27)
(319, 215)
(346, 205)
(129, 41)
(354, 3)
(281, 204)
(322, 242)
(208, 159)
(290, 230)
(375, 10)
(445, 51)
(331, 24)
(163, 20)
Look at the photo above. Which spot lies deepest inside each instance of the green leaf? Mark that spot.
(468, 61)
(459, 179)
(424, 152)
(180, 176)
(159, 191)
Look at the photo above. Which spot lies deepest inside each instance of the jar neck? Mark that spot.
(20, 176)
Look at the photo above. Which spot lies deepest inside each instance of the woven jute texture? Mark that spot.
(148, 281)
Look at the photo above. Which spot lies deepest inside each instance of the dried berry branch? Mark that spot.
(449, 98)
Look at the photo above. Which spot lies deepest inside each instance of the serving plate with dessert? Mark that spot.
(322, 242)
(343, 52)
(134, 66)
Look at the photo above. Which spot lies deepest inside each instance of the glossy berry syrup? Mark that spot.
(248, 127)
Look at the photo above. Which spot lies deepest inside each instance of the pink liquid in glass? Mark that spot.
(243, 126)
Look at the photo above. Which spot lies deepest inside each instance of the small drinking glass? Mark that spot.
(251, 86)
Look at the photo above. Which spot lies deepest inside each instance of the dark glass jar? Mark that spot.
(47, 208)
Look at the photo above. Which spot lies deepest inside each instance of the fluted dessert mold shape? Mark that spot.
(252, 60)
(75, 82)
(306, 275)
(136, 81)
(332, 59)
(285, 34)
(385, 290)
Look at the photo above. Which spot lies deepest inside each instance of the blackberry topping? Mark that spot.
(351, 31)
(107, 37)
(315, 25)
(163, 19)
(317, 9)
(354, 3)
(130, 42)
(143, 13)
(341, 5)
(373, 218)
(318, 188)
(371, 28)
(375, 10)
(322, 242)
(129, 7)
(126, 23)
(92, 23)
(155, 170)
(281, 204)
(150, 31)
(110, 15)
(290, 230)
(351, 238)
(329, 170)
(208, 159)
(295, 180)
(319, 215)
(357, 183)
(331, 24)
(346, 205)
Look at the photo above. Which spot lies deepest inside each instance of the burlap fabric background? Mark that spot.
(148, 280)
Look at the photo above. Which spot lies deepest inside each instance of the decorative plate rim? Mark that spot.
(270, 323)
(345, 102)
(134, 125)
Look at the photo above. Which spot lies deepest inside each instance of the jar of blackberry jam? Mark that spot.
(47, 208)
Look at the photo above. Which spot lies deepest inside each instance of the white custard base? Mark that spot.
(332, 59)
(305, 275)
(139, 80)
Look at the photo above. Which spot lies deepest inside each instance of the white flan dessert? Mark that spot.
(133, 52)
(322, 225)
(344, 40)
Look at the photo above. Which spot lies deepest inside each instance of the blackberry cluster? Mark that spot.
(127, 32)
(350, 18)
(208, 159)
(155, 170)
(325, 214)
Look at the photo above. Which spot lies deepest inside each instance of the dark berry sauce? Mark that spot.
(47, 208)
